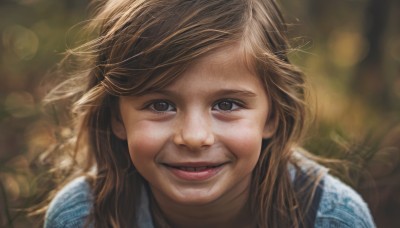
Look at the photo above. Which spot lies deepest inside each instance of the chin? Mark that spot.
(195, 198)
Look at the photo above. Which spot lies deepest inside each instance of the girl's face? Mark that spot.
(198, 140)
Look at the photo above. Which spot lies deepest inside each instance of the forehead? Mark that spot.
(232, 58)
(225, 68)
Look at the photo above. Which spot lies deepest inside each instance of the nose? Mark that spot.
(194, 132)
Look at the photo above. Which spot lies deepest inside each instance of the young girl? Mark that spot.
(189, 114)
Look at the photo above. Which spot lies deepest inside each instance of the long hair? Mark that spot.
(144, 45)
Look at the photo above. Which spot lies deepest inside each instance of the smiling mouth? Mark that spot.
(195, 169)
(194, 172)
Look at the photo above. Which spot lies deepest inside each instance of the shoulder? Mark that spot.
(71, 205)
(341, 206)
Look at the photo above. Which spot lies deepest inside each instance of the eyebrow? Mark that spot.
(239, 92)
(222, 92)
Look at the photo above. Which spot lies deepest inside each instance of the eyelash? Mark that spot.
(234, 103)
(151, 107)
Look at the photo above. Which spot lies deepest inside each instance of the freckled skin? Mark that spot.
(195, 129)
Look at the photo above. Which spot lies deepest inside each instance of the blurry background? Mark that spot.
(349, 49)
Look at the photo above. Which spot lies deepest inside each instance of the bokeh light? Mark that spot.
(20, 104)
(23, 42)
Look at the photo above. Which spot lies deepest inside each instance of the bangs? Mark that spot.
(157, 44)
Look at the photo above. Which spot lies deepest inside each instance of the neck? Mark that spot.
(231, 211)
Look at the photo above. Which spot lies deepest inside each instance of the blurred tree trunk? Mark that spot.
(370, 81)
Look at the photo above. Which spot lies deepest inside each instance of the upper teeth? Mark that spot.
(194, 169)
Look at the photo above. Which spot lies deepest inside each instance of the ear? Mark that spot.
(118, 127)
(270, 127)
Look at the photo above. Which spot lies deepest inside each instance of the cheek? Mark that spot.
(145, 141)
(243, 139)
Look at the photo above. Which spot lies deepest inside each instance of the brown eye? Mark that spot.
(161, 106)
(228, 105)
(225, 105)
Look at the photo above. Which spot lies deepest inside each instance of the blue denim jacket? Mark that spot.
(339, 207)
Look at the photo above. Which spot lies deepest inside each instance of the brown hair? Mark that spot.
(144, 45)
